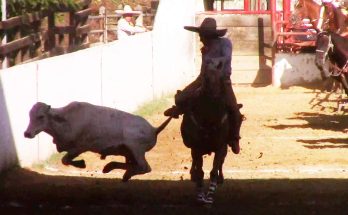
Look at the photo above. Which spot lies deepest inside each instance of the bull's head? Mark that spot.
(39, 119)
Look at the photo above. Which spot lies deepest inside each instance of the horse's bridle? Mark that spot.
(330, 46)
(336, 71)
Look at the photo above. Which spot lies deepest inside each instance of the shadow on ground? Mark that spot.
(317, 121)
(26, 192)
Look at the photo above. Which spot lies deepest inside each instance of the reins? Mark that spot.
(337, 71)
(334, 69)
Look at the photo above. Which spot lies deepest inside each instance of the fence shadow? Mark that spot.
(8, 152)
(26, 192)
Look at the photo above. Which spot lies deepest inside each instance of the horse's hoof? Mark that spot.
(126, 178)
(220, 180)
(79, 164)
(107, 168)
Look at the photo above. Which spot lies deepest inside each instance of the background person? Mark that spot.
(126, 25)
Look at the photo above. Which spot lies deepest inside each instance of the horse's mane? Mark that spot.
(339, 17)
(342, 41)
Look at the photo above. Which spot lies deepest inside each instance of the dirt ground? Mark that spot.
(293, 160)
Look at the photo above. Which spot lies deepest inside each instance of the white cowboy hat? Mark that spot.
(127, 10)
(208, 27)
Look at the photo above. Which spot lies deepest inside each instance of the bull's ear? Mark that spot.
(48, 108)
(53, 115)
(58, 118)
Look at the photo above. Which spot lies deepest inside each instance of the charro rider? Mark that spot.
(214, 46)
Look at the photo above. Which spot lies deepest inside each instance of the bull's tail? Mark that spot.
(163, 125)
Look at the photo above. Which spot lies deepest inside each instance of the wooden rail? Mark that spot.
(36, 35)
(40, 34)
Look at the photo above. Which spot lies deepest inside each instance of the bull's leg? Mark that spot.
(197, 174)
(115, 165)
(219, 158)
(118, 165)
(139, 166)
(68, 159)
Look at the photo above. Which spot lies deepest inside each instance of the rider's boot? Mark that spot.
(234, 113)
(183, 99)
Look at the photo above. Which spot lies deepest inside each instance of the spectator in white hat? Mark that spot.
(126, 25)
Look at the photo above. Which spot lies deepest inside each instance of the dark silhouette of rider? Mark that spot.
(214, 46)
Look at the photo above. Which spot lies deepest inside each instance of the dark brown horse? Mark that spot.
(206, 129)
(332, 50)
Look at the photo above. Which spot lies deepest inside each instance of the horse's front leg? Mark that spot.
(197, 174)
(344, 82)
(216, 175)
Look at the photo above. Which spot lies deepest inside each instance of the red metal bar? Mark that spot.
(286, 9)
(258, 5)
(246, 5)
(273, 18)
(274, 36)
(226, 11)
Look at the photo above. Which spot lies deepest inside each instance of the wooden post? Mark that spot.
(103, 23)
(51, 41)
(72, 35)
(4, 63)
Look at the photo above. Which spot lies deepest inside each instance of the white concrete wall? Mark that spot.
(295, 69)
(122, 74)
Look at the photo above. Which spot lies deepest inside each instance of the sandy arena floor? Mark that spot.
(293, 159)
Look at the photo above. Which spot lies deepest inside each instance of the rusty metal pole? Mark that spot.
(286, 10)
(274, 36)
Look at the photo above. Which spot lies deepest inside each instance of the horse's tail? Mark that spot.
(163, 125)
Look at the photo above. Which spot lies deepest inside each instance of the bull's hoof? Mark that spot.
(79, 164)
(108, 167)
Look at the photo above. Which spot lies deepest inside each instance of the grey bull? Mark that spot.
(80, 127)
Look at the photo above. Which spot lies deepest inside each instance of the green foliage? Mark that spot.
(154, 106)
(19, 7)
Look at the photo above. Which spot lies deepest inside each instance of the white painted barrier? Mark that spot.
(295, 69)
(122, 74)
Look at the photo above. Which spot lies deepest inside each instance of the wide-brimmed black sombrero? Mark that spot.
(207, 27)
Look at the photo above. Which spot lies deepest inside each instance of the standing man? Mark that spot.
(126, 26)
(214, 46)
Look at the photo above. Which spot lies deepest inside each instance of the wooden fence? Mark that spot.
(39, 34)
(43, 34)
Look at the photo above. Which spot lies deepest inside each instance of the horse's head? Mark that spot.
(323, 45)
(299, 13)
(312, 10)
(236, 123)
(213, 77)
